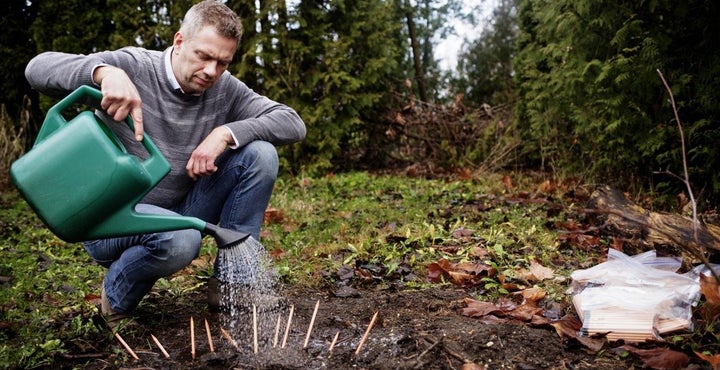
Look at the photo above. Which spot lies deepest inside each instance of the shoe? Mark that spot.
(245, 297)
(213, 294)
(114, 319)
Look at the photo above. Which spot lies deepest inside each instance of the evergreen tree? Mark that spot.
(17, 47)
(147, 23)
(590, 96)
(424, 24)
(485, 66)
(331, 62)
(73, 26)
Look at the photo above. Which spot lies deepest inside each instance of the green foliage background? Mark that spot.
(334, 61)
(582, 76)
(591, 100)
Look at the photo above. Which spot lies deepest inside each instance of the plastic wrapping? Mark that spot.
(634, 298)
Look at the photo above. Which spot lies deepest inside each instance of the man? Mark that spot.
(217, 134)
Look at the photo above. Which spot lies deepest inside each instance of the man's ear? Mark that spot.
(177, 40)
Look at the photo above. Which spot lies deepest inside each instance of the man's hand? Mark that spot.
(202, 159)
(120, 96)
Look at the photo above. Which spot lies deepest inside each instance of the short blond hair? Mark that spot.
(212, 13)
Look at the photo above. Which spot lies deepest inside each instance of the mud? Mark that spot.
(415, 329)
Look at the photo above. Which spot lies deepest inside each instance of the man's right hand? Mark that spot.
(120, 96)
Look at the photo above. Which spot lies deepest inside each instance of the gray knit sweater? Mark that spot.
(176, 122)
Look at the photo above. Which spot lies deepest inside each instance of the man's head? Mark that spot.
(215, 14)
(205, 45)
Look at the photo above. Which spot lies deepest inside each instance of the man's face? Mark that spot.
(199, 61)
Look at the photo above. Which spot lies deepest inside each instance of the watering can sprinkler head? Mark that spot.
(225, 238)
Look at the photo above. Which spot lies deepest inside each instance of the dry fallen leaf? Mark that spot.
(541, 272)
(569, 327)
(532, 295)
(713, 360)
(479, 252)
(709, 288)
(504, 309)
(547, 186)
(477, 308)
(273, 216)
(464, 174)
(277, 253)
(462, 234)
(507, 181)
(472, 366)
(659, 357)
(465, 274)
(525, 313)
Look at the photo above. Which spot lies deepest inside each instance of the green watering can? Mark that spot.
(84, 185)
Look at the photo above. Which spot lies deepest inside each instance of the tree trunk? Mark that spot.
(417, 53)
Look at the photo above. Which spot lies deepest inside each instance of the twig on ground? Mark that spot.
(162, 349)
(229, 338)
(82, 356)
(210, 340)
(122, 341)
(417, 360)
(683, 150)
(367, 332)
(287, 327)
(455, 354)
(312, 322)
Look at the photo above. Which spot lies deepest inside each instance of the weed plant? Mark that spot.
(12, 141)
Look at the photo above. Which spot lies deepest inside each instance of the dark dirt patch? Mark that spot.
(414, 330)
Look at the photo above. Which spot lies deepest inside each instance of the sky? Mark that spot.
(448, 49)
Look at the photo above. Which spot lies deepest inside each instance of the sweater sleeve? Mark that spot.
(57, 74)
(256, 117)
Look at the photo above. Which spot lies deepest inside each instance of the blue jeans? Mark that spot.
(235, 197)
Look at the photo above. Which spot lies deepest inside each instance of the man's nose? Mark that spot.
(211, 68)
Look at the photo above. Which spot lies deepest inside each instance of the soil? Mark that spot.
(414, 329)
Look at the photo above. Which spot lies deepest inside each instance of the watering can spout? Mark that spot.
(127, 221)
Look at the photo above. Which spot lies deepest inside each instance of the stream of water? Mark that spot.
(248, 278)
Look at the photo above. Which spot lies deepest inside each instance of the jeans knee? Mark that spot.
(265, 159)
(182, 248)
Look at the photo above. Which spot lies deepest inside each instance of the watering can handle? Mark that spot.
(156, 162)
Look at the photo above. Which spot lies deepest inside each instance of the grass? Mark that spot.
(384, 219)
(393, 225)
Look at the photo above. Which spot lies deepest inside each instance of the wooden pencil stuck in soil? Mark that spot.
(229, 338)
(367, 332)
(210, 341)
(312, 322)
(332, 344)
(122, 341)
(255, 330)
(192, 338)
(277, 331)
(162, 349)
(287, 327)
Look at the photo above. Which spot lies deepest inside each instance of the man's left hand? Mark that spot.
(202, 159)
